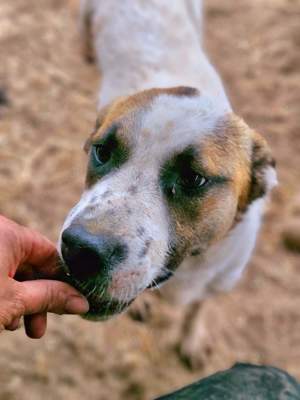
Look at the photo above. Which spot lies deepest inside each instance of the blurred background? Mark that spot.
(47, 109)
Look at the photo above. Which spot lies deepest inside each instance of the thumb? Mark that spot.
(40, 296)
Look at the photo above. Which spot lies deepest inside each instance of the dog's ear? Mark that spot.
(99, 121)
(262, 168)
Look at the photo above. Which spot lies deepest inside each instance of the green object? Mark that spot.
(241, 382)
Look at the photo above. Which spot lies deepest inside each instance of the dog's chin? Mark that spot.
(104, 310)
(102, 307)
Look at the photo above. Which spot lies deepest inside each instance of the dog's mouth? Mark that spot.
(101, 310)
(160, 280)
(102, 307)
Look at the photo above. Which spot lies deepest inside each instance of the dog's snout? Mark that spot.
(87, 255)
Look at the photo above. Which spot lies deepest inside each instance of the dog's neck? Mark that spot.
(221, 266)
(152, 56)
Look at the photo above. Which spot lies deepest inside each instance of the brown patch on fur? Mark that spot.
(238, 146)
(227, 153)
(239, 154)
(214, 214)
(242, 154)
(261, 158)
(99, 121)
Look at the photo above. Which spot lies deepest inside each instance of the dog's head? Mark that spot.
(170, 172)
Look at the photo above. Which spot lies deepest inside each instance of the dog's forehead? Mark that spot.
(180, 121)
(171, 118)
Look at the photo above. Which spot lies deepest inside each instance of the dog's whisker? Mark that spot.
(155, 284)
(92, 291)
(124, 296)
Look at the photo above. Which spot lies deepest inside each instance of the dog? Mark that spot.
(176, 182)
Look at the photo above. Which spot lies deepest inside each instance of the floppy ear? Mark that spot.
(263, 174)
(99, 121)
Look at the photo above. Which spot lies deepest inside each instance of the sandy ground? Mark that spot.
(256, 47)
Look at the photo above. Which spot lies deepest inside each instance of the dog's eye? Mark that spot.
(192, 180)
(102, 153)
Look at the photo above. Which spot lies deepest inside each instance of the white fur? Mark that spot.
(270, 178)
(145, 44)
(196, 116)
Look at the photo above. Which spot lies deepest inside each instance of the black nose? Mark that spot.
(87, 255)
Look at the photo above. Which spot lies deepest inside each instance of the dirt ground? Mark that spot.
(51, 91)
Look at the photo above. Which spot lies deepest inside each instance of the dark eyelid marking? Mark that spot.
(109, 132)
(95, 139)
(115, 151)
(176, 177)
(189, 159)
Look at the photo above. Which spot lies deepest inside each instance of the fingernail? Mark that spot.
(77, 305)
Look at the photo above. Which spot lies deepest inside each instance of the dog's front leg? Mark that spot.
(195, 343)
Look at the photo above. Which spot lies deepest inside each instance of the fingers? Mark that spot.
(35, 325)
(28, 254)
(20, 245)
(14, 324)
(51, 296)
(38, 251)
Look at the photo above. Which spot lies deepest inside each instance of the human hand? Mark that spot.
(25, 255)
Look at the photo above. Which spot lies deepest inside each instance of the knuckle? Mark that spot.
(14, 306)
(56, 300)
(17, 299)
